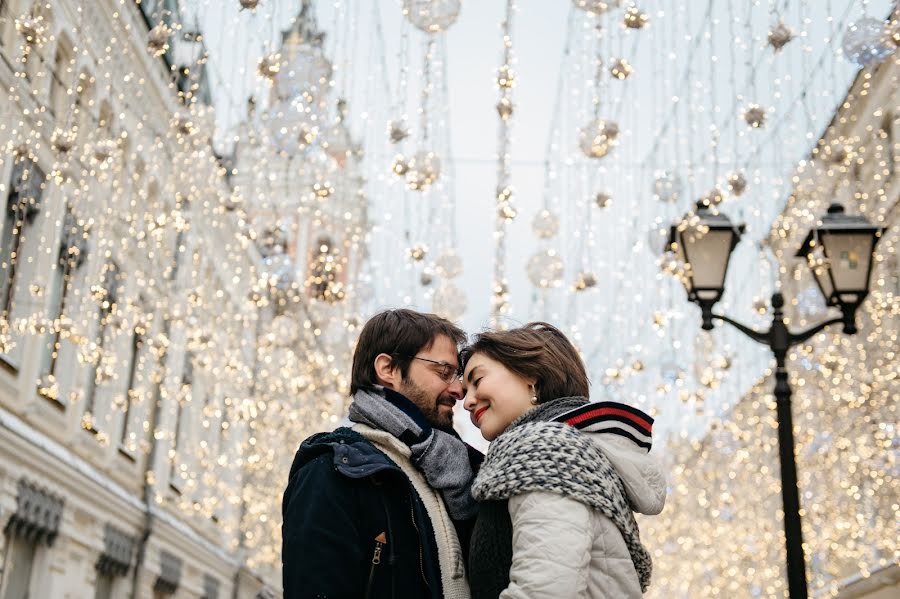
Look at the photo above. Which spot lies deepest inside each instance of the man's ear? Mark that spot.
(387, 373)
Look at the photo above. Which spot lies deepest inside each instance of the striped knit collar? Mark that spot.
(614, 418)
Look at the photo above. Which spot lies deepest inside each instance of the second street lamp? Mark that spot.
(839, 251)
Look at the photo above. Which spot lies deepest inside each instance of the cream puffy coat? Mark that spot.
(562, 548)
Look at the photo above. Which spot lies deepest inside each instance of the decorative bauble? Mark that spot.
(449, 301)
(426, 278)
(322, 189)
(506, 77)
(448, 265)
(306, 76)
(737, 183)
(64, 140)
(713, 198)
(545, 224)
(400, 166)
(418, 252)
(431, 16)
(598, 7)
(33, 28)
(269, 66)
(505, 108)
(249, 4)
(286, 330)
(183, 123)
(620, 69)
(103, 150)
(545, 269)
(840, 151)
(760, 306)
(585, 280)
(424, 168)
(289, 127)
(398, 130)
(158, 39)
(507, 211)
(667, 187)
(634, 18)
(780, 35)
(867, 41)
(598, 137)
(755, 116)
(603, 199)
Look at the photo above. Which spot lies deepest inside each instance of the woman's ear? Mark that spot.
(387, 373)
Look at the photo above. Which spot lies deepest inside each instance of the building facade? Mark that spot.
(131, 313)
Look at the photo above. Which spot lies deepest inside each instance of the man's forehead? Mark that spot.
(443, 348)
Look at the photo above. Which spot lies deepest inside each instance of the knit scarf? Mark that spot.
(440, 456)
(536, 454)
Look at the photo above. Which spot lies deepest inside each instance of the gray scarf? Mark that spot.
(534, 454)
(441, 457)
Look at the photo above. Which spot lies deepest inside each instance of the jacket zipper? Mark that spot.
(380, 542)
(412, 515)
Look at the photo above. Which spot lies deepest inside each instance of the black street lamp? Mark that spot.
(839, 252)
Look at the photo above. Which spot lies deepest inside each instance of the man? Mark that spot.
(383, 509)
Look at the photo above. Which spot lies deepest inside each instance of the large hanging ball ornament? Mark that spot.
(667, 187)
(598, 137)
(598, 7)
(448, 265)
(449, 301)
(306, 76)
(431, 16)
(423, 169)
(867, 41)
(545, 269)
(545, 224)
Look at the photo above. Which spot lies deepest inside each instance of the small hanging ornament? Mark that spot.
(400, 166)
(602, 199)
(158, 39)
(737, 183)
(423, 169)
(183, 123)
(713, 198)
(322, 189)
(868, 41)
(585, 280)
(545, 224)
(33, 28)
(64, 140)
(780, 35)
(505, 108)
(249, 4)
(597, 7)
(418, 252)
(269, 65)
(634, 18)
(620, 69)
(507, 211)
(506, 77)
(598, 137)
(426, 278)
(755, 116)
(398, 130)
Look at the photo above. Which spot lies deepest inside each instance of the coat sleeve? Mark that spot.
(551, 547)
(322, 553)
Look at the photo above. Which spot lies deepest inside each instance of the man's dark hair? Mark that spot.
(536, 351)
(401, 334)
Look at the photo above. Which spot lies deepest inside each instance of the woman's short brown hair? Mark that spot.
(536, 351)
(401, 334)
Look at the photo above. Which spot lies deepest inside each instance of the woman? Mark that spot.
(561, 478)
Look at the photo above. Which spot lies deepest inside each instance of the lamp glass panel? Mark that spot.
(709, 256)
(849, 256)
(823, 278)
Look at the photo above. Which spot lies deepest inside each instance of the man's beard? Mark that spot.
(430, 407)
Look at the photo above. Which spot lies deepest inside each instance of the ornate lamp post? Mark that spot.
(839, 251)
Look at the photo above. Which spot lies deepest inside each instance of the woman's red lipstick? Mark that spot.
(478, 413)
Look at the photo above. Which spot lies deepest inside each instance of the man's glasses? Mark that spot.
(448, 372)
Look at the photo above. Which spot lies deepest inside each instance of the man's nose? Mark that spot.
(455, 389)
